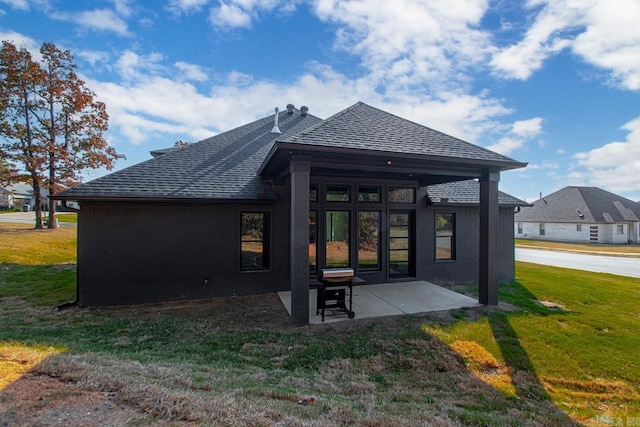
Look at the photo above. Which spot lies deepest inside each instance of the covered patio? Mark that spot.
(364, 147)
(390, 299)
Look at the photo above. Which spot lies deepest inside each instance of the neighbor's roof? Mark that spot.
(20, 189)
(466, 193)
(222, 167)
(594, 204)
(365, 128)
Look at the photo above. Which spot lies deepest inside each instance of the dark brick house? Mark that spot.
(253, 211)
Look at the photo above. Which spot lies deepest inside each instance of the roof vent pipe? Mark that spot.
(304, 110)
(275, 129)
(290, 108)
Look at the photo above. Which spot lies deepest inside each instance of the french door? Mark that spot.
(401, 255)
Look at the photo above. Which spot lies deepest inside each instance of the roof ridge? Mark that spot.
(328, 120)
(414, 123)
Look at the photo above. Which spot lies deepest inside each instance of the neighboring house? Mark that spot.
(580, 214)
(19, 195)
(261, 208)
(6, 198)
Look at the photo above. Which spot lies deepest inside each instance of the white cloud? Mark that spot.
(615, 165)
(186, 6)
(544, 165)
(151, 101)
(527, 128)
(520, 132)
(20, 40)
(612, 40)
(229, 16)
(191, 71)
(93, 57)
(232, 14)
(132, 66)
(411, 43)
(545, 37)
(123, 7)
(506, 145)
(603, 32)
(17, 4)
(97, 20)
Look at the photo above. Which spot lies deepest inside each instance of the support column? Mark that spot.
(488, 267)
(299, 169)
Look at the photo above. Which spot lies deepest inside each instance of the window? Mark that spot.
(445, 236)
(313, 240)
(402, 195)
(313, 193)
(369, 194)
(337, 238)
(254, 241)
(401, 248)
(578, 227)
(519, 228)
(338, 193)
(368, 240)
(620, 229)
(542, 229)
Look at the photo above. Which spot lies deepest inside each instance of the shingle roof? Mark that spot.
(21, 189)
(221, 167)
(466, 193)
(225, 166)
(364, 127)
(569, 204)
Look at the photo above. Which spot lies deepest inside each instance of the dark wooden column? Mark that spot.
(488, 268)
(299, 168)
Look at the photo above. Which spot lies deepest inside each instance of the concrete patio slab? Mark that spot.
(390, 299)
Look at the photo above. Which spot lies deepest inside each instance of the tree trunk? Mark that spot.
(38, 206)
(52, 180)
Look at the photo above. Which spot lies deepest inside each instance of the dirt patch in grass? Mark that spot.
(43, 400)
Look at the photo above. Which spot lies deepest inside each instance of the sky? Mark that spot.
(549, 82)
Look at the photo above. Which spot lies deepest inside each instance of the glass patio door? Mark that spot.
(401, 244)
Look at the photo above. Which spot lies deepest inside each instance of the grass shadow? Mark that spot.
(43, 285)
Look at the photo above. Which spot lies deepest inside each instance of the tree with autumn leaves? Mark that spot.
(50, 122)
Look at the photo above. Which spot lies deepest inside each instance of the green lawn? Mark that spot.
(238, 361)
(67, 217)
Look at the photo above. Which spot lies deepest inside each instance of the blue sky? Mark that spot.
(552, 83)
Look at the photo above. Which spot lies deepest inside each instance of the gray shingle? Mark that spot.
(221, 167)
(364, 127)
(466, 193)
(225, 166)
(594, 204)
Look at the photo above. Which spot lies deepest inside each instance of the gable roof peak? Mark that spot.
(365, 128)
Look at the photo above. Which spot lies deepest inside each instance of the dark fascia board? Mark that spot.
(474, 205)
(182, 200)
(267, 159)
(303, 148)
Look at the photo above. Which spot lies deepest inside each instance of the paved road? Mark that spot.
(600, 264)
(27, 218)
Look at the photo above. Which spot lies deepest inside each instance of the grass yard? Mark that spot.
(561, 349)
(67, 217)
